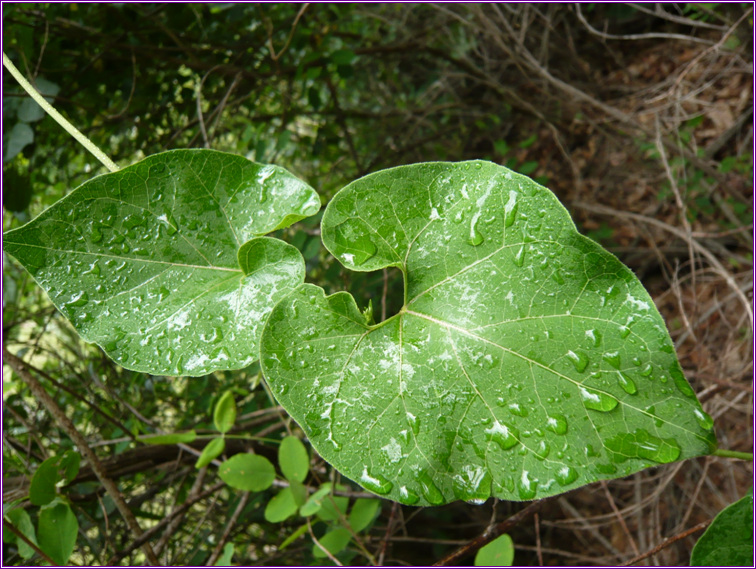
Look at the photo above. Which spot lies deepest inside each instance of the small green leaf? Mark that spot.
(498, 553)
(315, 501)
(363, 513)
(526, 360)
(293, 459)
(333, 507)
(169, 439)
(29, 110)
(57, 530)
(281, 506)
(225, 412)
(212, 450)
(225, 559)
(22, 522)
(301, 530)
(19, 137)
(163, 263)
(250, 472)
(334, 541)
(728, 541)
(69, 466)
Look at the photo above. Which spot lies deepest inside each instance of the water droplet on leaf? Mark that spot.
(519, 257)
(556, 423)
(430, 490)
(566, 475)
(578, 359)
(627, 383)
(597, 400)
(375, 482)
(704, 419)
(510, 209)
(613, 359)
(475, 237)
(527, 487)
(408, 496)
(506, 437)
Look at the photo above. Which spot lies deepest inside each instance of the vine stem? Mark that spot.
(50, 110)
(733, 454)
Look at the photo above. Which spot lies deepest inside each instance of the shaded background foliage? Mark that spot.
(639, 117)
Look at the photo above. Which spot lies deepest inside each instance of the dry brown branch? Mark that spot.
(67, 425)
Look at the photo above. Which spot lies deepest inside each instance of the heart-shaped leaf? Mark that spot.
(161, 264)
(526, 359)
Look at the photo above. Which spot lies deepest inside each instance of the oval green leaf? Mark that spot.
(281, 507)
(212, 450)
(224, 415)
(334, 541)
(498, 553)
(57, 529)
(526, 360)
(728, 541)
(225, 559)
(249, 472)
(293, 459)
(43, 485)
(363, 513)
(161, 263)
(315, 501)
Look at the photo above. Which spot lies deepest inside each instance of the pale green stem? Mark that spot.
(733, 454)
(50, 110)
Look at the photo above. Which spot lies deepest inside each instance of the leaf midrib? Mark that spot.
(122, 258)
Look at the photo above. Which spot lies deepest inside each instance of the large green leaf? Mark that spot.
(728, 541)
(161, 264)
(526, 359)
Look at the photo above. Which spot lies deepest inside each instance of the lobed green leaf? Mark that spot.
(526, 360)
(162, 263)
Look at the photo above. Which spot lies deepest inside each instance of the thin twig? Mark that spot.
(227, 532)
(648, 36)
(17, 532)
(164, 522)
(681, 234)
(666, 543)
(489, 535)
(320, 546)
(620, 518)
